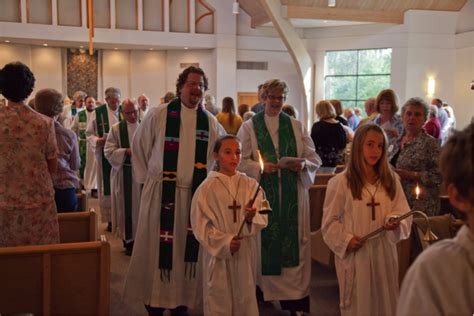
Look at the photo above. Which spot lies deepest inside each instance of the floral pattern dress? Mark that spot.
(27, 209)
(420, 155)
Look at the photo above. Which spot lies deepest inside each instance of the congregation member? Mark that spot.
(432, 126)
(229, 259)
(168, 97)
(49, 102)
(242, 109)
(339, 112)
(285, 272)
(415, 158)
(209, 103)
(388, 119)
(103, 118)
(70, 111)
(442, 117)
(352, 119)
(125, 190)
(441, 280)
(358, 113)
(371, 111)
(290, 110)
(359, 200)
(329, 138)
(259, 106)
(29, 155)
(451, 117)
(143, 106)
(248, 115)
(171, 153)
(228, 118)
(88, 168)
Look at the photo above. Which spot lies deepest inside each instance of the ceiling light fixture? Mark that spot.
(235, 7)
(186, 48)
(331, 3)
(81, 46)
(7, 41)
(45, 44)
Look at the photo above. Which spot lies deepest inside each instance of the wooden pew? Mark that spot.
(323, 178)
(77, 226)
(319, 250)
(58, 279)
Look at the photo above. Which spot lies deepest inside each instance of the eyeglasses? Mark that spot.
(191, 83)
(130, 112)
(280, 98)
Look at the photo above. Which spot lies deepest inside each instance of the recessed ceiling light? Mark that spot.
(325, 21)
(151, 48)
(81, 46)
(45, 44)
(115, 48)
(186, 47)
(7, 41)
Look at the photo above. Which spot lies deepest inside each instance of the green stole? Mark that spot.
(280, 246)
(82, 141)
(127, 180)
(170, 165)
(102, 120)
(73, 110)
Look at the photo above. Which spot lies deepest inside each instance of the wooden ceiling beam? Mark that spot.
(259, 19)
(299, 12)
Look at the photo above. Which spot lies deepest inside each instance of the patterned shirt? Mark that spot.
(420, 155)
(69, 161)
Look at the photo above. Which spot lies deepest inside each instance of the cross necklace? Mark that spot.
(372, 203)
(234, 207)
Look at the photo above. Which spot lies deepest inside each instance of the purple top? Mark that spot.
(69, 161)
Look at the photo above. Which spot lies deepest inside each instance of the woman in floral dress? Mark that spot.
(28, 155)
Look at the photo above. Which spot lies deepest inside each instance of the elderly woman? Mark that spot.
(28, 150)
(415, 158)
(329, 137)
(285, 248)
(50, 103)
(387, 107)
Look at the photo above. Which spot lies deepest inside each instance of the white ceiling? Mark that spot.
(307, 23)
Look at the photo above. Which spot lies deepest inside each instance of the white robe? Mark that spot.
(293, 283)
(90, 171)
(66, 118)
(441, 280)
(228, 280)
(92, 136)
(368, 278)
(143, 281)
(115, 154)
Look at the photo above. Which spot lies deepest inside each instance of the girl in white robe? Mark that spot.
(366, 196)
(229, 260)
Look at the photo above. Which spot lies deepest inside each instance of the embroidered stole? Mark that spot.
(170, 164)
(102, 120)
(73, 111)
(280, 246)
(127, 180)
(82, 141)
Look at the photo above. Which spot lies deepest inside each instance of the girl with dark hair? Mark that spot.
(29, 156)
(219, 207)
(228, 118)
(364, 197)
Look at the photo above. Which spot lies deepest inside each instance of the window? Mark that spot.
(353, 76)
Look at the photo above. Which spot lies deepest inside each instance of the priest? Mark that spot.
(125, 191)
(98, 127)
(87, 171)
(171, 155)
(285, 244)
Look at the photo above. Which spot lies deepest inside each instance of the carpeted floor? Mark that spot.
(324, 289)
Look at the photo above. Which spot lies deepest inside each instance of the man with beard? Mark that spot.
(171, 154)
(87, 170)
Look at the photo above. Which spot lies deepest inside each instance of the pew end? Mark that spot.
(57, 279)
(78, 226)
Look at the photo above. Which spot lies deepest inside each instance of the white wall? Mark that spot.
(464, 74)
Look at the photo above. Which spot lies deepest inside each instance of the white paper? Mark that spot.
(284, 162)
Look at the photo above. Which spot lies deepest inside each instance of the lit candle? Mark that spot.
(417, 191)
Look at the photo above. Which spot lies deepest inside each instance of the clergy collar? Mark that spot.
(184, 108)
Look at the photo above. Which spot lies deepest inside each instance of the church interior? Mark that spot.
(426, 49)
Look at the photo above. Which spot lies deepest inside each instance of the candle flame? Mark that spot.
(260, 160)
(417, 191)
